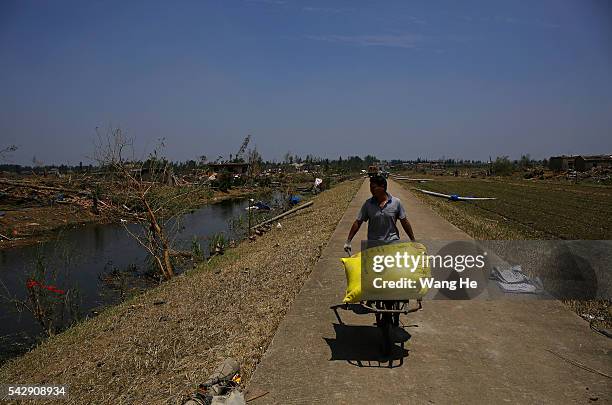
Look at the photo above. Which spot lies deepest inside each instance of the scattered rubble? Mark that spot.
(221, 312)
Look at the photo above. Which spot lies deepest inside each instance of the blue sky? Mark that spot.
(462, 79)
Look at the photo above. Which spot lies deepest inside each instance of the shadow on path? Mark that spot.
(360, 346)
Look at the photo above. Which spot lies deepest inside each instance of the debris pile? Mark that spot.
(28, 193)
(511, 279)
(455, 197)
(222, 387)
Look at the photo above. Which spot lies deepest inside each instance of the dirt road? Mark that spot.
(459, 352)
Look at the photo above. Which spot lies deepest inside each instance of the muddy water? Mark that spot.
(81, 259)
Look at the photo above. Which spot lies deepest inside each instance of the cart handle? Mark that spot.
(392, 311)
(376, 310)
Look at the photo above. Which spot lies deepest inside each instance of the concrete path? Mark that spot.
(459, 352)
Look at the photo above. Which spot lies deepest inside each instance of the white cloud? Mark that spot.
(326, 10)
(512, 21)
(410, 41)
(277, 2)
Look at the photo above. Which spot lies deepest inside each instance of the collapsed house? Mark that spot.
(581, 163)
(230, 167)
(585, 163)
(562, 163)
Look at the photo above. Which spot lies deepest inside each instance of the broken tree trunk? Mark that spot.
(39, 187)
(165, 266)
(291, 211)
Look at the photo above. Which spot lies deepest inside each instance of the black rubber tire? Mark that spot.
(385, 328)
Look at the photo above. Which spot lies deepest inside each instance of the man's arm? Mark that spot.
(401, 214)
(361, 218)
(408, 228)
(351, 235)
(354, 229)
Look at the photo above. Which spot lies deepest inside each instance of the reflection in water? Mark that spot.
(94, 250)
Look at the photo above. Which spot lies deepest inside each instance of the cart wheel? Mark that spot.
(396, 320)
(385, 328)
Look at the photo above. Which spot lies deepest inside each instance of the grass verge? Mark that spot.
(156, 348)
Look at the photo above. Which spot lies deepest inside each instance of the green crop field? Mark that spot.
(524, 209)
(528, 210)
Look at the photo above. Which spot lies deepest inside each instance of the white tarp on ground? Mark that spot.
(511, 279)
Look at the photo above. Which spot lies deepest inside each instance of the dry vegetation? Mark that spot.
(526, 209)
(32, 215)
(529, 210)
(157, 347)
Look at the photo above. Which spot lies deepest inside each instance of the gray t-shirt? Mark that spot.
(381, 221)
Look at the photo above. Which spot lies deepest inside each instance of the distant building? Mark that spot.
(579, 162)
(54, 171)
(433, 167)
(562, 163)
(584, 163)
(231, 167)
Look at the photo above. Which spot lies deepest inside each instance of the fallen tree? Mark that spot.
(149, 196)
(39, 187)
(284, 214)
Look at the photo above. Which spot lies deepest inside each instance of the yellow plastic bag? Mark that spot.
(352, 270)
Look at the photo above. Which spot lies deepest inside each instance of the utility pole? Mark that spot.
(251, 201)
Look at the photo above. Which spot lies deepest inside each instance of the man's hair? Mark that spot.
(379, 181)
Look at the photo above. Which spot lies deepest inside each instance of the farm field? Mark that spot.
(528, 210)
(523, 209)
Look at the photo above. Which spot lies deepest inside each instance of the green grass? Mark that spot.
(528, 210)
(525, 209)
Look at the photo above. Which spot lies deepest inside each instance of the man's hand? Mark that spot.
(347, 247)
